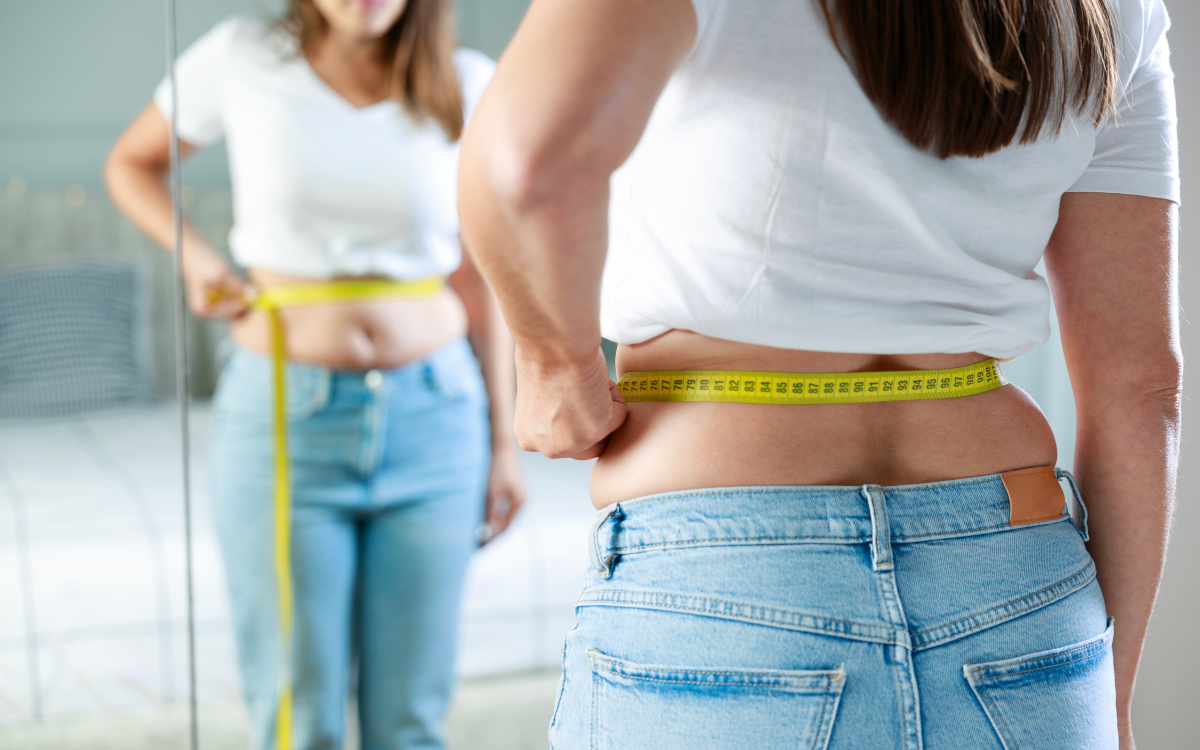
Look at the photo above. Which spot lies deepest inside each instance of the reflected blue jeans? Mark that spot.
(389, 472)
(855, 618)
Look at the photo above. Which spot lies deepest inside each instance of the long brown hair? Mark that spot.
(420, 50)
(959, 77)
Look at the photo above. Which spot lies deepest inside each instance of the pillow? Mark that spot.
(73, 338)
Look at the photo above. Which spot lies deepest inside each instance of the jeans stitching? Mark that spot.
(562, 689)
(819, 673)
(892, 633)
(824, 718)
(1085, 575)
(788, 489)
(1081, 657)
(789, 688)
(996, 719)
(902, 666)
(595, 712)
(742, 541)
(962, 532)
(1086, 650)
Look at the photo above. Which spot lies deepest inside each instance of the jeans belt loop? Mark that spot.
(602, 558)
(881, 530)
(1082, 522)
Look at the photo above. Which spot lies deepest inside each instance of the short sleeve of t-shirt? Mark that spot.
(1137, 153)
(200, 77)
(475, 71)
(704, 11)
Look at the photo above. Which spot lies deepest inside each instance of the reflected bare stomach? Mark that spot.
(666, 447)
(355, 335)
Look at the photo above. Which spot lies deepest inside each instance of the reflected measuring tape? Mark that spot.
(728, 386)
(271, 301)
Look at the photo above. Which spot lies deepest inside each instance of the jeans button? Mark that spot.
(373, 380)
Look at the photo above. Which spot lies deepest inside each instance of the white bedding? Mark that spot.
(92, 598)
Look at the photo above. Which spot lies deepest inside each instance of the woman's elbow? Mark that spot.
(1153, 382)
(520, 171)
(1159, 374)
(124, 165)
(114, 166)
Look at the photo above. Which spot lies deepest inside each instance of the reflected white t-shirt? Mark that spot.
(768, 202)
(321, 188)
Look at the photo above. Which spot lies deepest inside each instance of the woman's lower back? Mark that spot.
(664, 447)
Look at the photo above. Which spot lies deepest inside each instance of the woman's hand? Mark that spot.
(135, 174)
(214, 289)
(506, 491)
(567, 410)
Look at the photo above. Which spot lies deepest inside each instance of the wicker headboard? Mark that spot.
(73, 337)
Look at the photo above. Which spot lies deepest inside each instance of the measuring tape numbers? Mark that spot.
(728, 386)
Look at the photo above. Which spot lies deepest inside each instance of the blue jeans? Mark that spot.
(389, 473)
(837, 617)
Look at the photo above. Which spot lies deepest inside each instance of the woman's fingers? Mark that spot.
(216, 291)
(502, 508)
(616, 418)
(567, 411)
(505, 493)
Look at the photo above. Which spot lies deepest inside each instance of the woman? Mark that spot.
(859, 191)
(342, 126)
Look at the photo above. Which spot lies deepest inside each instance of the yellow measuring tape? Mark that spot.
(271, 301)
(727, 386)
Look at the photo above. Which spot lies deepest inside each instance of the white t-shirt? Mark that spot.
(768, 202)
(321, 188)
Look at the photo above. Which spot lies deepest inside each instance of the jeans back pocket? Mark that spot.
(683, 708)
(1064, 698)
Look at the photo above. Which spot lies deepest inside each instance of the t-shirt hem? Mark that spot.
(627, 332)
(1126, 181)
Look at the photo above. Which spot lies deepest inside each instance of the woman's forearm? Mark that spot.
(1126, 458)
(141, 196)
(135, 175)
(551, 297)
(493, 346)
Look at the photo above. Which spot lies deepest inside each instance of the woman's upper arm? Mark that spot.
(146, 142)
(1112, 258)
(575, 88)
(1112, 266)
(200, 90)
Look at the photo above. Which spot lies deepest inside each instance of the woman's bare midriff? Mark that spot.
(665, 447)
(355, 335)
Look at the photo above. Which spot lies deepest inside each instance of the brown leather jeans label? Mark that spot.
(1034, 495)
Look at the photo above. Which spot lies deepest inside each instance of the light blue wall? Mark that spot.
(73, 73)
(487, 25)
(77, 71)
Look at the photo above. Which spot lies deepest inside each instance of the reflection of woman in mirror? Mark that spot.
(860, 191)
(342, 125)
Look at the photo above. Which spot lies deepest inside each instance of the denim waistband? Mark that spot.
(872, 514)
